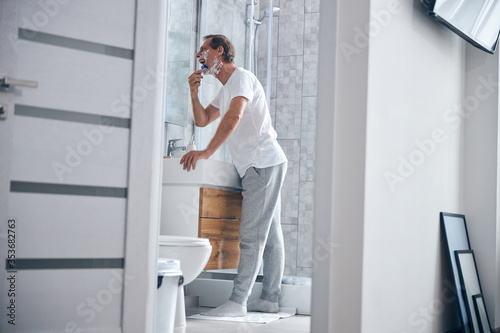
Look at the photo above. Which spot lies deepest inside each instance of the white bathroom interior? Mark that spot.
(383, 132)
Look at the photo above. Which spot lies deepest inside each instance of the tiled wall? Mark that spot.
(293, 108)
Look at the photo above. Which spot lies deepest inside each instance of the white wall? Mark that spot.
(427, 97)
(481, 170)
(413, 166)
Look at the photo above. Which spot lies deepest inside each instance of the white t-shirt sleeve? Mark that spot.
(242, 85)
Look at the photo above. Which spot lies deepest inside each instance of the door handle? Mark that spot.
(6, 83)
(3, 111)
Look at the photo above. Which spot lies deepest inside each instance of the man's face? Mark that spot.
(210, 57)
(206, 54)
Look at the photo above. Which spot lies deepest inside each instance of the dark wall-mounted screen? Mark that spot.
(477, 21)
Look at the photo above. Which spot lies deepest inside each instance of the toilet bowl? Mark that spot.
(193, 254)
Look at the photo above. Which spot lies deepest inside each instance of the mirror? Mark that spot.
(181, 46)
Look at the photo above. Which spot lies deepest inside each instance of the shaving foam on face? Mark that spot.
(215, 68)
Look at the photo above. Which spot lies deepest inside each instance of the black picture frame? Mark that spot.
(454, 230)
(482, 314)
(470, 285)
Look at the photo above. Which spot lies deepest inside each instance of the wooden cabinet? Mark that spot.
(219, 221)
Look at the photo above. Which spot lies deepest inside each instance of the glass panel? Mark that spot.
(251, 41)
(233, 14)
(180, 54)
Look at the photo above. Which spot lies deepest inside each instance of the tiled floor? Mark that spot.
(294, 324)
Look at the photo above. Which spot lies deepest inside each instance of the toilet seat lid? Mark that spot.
(183, 241)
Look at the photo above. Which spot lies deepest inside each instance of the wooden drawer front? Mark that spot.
(223, 236)
(220, 204)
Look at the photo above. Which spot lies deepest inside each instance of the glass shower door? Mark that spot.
(252, 41)
(226, 18)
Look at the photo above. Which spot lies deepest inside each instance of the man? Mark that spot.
(261, 163)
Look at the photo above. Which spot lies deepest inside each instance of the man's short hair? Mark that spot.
(221, 40)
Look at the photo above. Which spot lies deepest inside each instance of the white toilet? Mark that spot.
(193, 254)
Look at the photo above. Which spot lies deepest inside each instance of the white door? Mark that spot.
(65, 108)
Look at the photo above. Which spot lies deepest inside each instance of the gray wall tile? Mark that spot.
(312, 6)
(311, 31)
(304, 243)
(290, 238)
(289, 97)
(306, 203)
(295, 118)
(308, 138)
(309, 83)
(290, 190)
(291, 28)
(272, 110)
(304, 271)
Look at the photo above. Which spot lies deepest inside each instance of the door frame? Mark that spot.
(337, 282)
(145, 165)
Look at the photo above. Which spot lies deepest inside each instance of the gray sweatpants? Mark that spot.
(261, 237)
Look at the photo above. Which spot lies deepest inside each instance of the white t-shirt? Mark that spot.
(253, 142)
